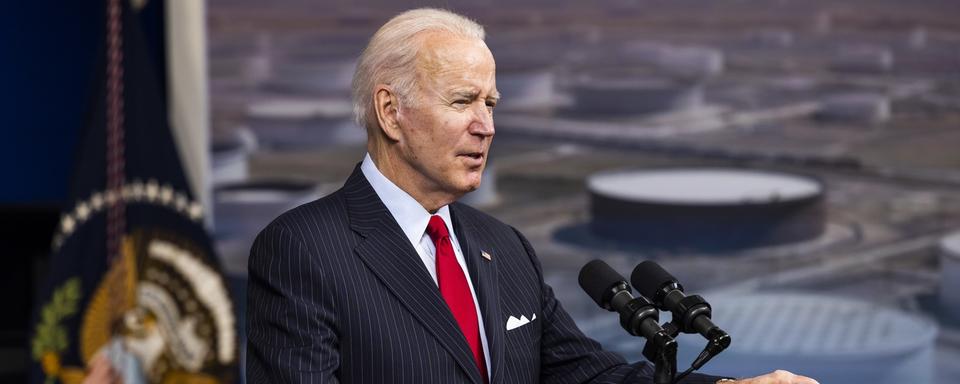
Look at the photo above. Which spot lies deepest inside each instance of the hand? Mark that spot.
(776, 377)
(101, 371)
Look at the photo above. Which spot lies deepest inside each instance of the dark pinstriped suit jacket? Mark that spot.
(338, 293)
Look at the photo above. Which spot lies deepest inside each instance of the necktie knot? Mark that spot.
(437, 228)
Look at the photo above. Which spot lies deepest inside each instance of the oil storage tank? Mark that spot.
(711, 209)
(832, 339)
(950, 275)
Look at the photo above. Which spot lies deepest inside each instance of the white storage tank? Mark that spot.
(950, 275)
(527, 88)
(311, 77)
(863, 59)
(681, 62)
(858, 107)
(242, 210)
(304, 123)
(611, 97)
(771, 38)
(706, 208)
(832, 339)
(229, 155)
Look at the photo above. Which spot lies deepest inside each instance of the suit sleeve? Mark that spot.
(569, 356)
(291, 329)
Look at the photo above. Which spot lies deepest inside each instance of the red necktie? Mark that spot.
(455, 291)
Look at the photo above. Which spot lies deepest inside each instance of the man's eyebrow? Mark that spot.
(472, 94)
(467, 93)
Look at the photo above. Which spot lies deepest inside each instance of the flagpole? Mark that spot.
(188, 95)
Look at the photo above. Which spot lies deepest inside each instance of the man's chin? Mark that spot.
(469, 186)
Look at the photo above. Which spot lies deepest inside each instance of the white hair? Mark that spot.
(390, 56)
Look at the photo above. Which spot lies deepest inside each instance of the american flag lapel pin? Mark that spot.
(486, 255)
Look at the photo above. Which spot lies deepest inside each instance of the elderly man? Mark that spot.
(389, 279)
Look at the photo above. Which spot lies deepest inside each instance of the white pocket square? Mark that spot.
(514, 323)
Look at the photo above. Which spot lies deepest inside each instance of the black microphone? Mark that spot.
(691, 314)
(610, 291)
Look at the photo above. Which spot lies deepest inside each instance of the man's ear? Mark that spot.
(387, 106)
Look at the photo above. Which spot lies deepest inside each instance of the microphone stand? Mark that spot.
(639, 317)
(664, 354)
(691, 314)
(661, 350)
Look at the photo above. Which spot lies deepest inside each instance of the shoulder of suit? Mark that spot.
(478, 217)
(319, 211)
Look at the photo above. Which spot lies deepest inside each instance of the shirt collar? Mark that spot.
(411, 216)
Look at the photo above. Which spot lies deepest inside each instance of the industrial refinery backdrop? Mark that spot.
(797, 163)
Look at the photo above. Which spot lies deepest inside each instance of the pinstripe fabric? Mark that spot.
(338, 294)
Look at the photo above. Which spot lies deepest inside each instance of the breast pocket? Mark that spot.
(522, 344)
(523, 329)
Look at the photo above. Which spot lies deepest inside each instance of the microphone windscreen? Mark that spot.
(648, 277)
(596, 278)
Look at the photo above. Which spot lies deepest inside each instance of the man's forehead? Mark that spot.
(443, 51)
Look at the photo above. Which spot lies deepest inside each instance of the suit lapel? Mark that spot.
(390, 256)
(483, 274)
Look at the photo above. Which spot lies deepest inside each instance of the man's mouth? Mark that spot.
(473, 158)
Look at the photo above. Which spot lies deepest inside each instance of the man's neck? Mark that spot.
(408, 180)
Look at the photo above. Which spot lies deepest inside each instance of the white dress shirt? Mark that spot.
(413, 220)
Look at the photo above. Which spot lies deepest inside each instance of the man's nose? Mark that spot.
(482, 123)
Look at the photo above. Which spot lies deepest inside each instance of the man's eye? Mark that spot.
(491, 104)
(462, 102)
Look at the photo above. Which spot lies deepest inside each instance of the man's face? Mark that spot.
(448, 128)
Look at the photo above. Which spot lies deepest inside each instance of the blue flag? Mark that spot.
(135, 292)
